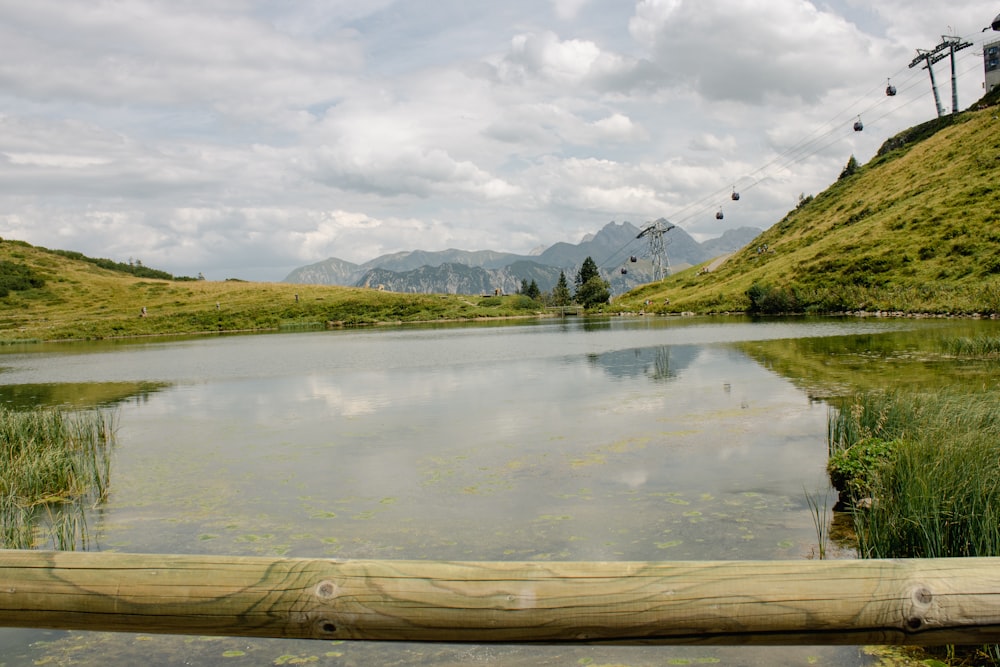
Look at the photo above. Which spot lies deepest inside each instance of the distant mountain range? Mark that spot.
(484, 271)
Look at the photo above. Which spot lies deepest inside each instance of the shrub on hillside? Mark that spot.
(525, 302)
(768, 299)
(135, 268)
(14, 277)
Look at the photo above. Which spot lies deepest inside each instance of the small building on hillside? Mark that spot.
(991, 62)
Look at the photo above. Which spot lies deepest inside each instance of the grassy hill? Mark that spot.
(917, 229)
(57, 295)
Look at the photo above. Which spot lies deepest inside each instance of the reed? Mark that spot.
(55, 463)
(821, 522)
(936, 499)
(973, 346)
(936, 494)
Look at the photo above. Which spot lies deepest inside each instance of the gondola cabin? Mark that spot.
(719, 215)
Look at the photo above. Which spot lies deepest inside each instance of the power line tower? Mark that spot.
(948, 46)
(657, 247)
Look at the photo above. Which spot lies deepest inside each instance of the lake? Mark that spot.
(557, 439)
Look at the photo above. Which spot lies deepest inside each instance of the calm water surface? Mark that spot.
(647, 439)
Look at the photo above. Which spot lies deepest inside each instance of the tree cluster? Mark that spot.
(530, 290)
(591, 289)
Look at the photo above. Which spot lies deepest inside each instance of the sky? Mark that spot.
(245, 138)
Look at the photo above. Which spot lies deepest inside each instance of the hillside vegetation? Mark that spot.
(57, 295)
(914, 230)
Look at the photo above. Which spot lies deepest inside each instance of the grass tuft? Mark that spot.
(973, 346)
(55, 464)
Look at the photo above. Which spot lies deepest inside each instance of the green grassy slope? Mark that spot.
(917, 229)
(83, 300)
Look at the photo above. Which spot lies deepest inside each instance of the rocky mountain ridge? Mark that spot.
(485, 271)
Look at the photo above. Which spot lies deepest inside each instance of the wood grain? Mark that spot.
(920, 601)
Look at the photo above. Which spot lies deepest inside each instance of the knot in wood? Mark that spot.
(326, 628)
(922, 596)
(326, 590)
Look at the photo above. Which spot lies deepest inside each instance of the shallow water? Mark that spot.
(644, 439)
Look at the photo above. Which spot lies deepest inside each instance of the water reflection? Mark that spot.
(659, 363)
(76, 395)
(838, 365)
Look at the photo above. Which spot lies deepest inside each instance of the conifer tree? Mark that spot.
(560, 294)
(591, 289)
(587, 271)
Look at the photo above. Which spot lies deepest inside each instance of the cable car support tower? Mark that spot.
(948, 46)
(657, 247)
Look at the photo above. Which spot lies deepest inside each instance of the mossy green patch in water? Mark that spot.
(250, 537)
(296, 659)
(668, 544)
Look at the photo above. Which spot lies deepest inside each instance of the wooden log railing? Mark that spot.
(925, 601)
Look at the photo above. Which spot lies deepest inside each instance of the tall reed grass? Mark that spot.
(973, 346)
(937, 493)
(55, 463)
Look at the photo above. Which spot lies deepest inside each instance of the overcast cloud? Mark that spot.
(244, 138)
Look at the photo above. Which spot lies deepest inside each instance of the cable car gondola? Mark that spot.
(624, 271)
(858, 125)
(735, 196)
(890, 90)
(633, 259)
(719, 215)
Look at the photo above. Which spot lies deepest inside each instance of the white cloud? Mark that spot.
(545, 56)
(751, 51)
(706, 141)
(56, 160)
(147, 54)
(619, 127)
(567, 9)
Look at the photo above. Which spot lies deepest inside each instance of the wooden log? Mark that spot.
(925, 601)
